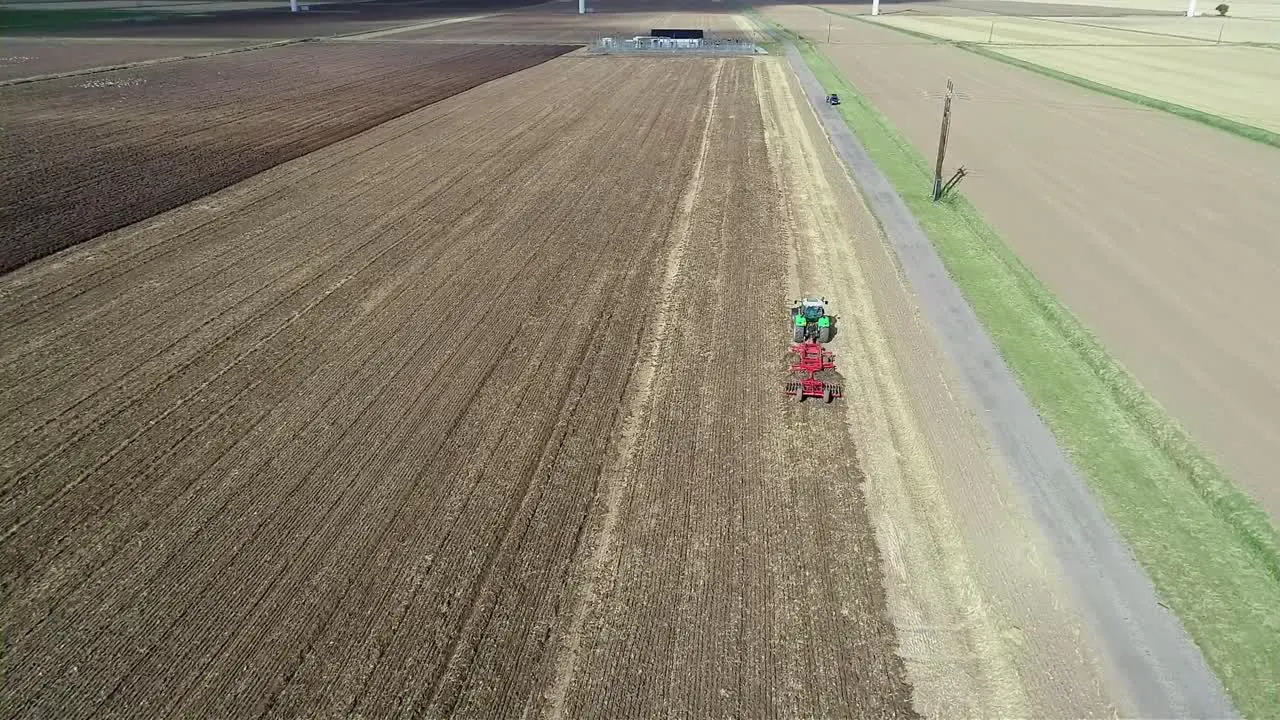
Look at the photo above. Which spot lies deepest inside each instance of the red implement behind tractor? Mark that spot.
(812, 360)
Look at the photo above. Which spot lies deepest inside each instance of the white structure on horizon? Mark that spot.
(649, 41)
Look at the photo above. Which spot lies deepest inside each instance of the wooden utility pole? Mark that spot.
(828, 32)
(942, 141)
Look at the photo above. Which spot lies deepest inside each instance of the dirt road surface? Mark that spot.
(1154, 230)
(89, 154)
(354, 436)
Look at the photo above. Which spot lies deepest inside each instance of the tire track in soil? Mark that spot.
(638, 398)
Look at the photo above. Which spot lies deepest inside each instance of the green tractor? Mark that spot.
(810, 321)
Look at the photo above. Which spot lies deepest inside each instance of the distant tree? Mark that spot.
(1222, 8)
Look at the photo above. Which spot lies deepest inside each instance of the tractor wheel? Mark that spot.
(824, 335)
(798, 333)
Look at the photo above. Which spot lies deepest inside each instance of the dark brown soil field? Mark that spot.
(23, 57)
(475, 413)
(278, 22)
(88, 154)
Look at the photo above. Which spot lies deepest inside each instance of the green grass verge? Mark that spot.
(37, 20)
(1212, 552)
(1256, 134)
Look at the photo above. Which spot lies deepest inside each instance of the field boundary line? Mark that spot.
(1244, 130)
(1147, 648)
(151, 62)
(374, 34)
(638, 392)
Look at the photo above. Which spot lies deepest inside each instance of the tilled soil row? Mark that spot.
(86, 155)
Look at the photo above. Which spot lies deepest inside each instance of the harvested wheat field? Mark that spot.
(89, 154)
(1172, 68)
(475, 412)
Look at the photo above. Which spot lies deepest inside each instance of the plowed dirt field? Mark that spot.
(476, 412)
(88, 154)
(26, 57)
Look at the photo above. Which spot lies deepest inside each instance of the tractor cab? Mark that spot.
(810, 320)
(812, 309)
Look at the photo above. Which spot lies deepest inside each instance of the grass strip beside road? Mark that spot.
(1256, 134)
(1212, 552)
